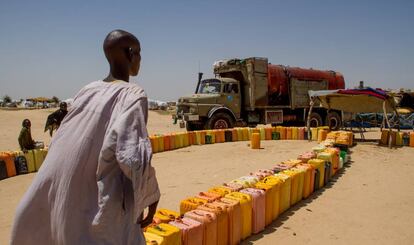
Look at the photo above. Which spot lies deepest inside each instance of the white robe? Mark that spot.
(97, 178)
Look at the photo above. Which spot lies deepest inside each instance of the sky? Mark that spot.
(54, 48)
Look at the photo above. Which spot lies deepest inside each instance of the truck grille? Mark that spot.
(183, 109)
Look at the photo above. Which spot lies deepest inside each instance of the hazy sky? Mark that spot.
(55, 47)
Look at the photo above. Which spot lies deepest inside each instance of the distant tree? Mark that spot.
(56, 99)
(7, 99)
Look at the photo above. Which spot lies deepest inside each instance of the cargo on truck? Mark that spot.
(251, 91)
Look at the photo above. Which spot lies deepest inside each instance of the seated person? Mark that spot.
(55, 119)
(25, 138)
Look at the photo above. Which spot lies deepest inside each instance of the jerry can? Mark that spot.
(314, 134)
(153, 239)
(191, 231)
(320, 165)
(275, 136)
(8, 159)
(285, 191)
(255, 141)
(295, 133)
(222, 221)
(268, 133)
(289, 133)
(271, 196)
(160, 139)
(171, 234)
(221, 190)
(232, 207)
(191, 204)
(154, 144)
(209, 221)
(259, 208)
(246, 209)
(163, 215)
(228, 135)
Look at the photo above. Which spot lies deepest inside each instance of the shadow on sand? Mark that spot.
(285, 216)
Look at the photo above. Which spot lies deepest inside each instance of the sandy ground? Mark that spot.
(369, 202)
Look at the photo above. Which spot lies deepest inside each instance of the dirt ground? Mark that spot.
(369, 202)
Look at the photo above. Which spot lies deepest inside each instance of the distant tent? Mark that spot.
(40, 99)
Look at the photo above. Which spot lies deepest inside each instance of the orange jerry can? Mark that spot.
(234, 135)
(309, 179)
(289, 133)
(255, 141)
(8, 159)
(268, 133)
(154, 143)
(270, 199)
(172, 141)
(322, 135)
(232, 207)
(283, 133)
(209, 221)
(411, 139)
(209, 196)
(167, 143)
(384, 137)
(276, 184)
(222, 222)
(191, 231)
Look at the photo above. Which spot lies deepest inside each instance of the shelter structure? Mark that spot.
(363, 100)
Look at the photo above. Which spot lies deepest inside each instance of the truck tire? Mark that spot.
(315, 120)
(335, 119)
(220, 121)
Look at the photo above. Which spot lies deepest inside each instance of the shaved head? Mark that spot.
(118, 39)
(122, 50)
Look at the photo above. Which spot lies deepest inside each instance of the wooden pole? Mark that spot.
(312, 102)
(388, 123)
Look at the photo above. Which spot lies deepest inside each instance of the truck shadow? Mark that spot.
(278, 223)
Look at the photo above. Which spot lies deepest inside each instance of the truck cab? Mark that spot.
(216, 104)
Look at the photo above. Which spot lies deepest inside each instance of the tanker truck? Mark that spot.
(251, 91)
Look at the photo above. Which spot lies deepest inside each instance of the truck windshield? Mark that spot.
(209, 86)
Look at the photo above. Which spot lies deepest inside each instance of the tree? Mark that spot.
(7, 99)
(56, 99)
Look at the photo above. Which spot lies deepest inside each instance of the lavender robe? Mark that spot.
(97, 178)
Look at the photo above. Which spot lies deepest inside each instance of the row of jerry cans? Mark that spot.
(397, 138)
(17, 162)
(173, 141)
(230, 213)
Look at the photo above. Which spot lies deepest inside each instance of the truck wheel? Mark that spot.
(335, 120)
(315, 120)
(220, 121)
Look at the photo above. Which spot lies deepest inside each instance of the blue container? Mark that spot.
(406, 139)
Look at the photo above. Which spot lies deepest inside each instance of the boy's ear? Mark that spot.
(129, 53)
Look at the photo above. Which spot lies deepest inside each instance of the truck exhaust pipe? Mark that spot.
(200, 76)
